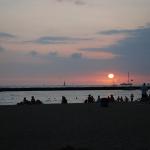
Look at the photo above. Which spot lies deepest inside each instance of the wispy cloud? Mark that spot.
(124, 31)
(94, 49)
(2, 49)
(134, 50)
(33, 53)
(58, 40)
(76, 2)
(111, 32)
(46, 56)
(6, 35)
(77, 55)
(53, 54)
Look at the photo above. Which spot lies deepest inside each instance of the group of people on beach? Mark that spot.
(110, 98)
(32, 102)
(90, 99)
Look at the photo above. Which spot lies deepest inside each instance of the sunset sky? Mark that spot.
(78, 41)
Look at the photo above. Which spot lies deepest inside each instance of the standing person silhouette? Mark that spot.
(144, 90)
(132, 97)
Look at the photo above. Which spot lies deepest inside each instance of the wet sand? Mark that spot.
(50, 127)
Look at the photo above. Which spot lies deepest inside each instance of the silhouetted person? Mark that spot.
(112, 99)
(144, 92)
(38, 102)
(132, 97)
(126, 99)
(93, 99)
(25, 100)
(68, 147)
(64, 100)
(98, 99)
(104, 102)
(32, 100)
(121, 99)
(86, 101)
(118, 99)
(90, 99)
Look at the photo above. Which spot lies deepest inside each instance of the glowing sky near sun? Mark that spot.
(77, 41)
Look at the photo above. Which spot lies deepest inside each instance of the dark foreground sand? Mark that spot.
(50, 127)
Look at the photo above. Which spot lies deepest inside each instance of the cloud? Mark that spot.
(53, 54)
(111, 32)
(126, 31)
(46, 56)
(134, 51)
(33, 53)
(84, 55)
(129, 54)
(58, 40)
(97, 49)
(2, 49)
(76, 2)
(99, 55)
(138, 40)
(6, 35)
(76, 55)
(79, 2)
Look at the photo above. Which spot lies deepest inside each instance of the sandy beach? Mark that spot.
(51, 127)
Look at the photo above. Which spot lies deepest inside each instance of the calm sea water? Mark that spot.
(49, 97)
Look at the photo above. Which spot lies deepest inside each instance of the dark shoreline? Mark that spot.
(70, 88)
(86, 126)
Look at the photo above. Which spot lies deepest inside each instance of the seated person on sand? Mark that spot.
(118, 99)
(126, 99)
(132, 97)
(38, 102)
(64, 100)
(98, 99)
(25, 101)
(112, 99)
(90, 99)
(104, 102)
(121, 99)
(86, 101)
(32, 100)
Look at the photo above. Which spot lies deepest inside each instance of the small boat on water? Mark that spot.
(128, 83)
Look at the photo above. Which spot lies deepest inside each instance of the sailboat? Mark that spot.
(128, 83)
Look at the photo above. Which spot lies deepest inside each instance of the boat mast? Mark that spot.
(128, 77)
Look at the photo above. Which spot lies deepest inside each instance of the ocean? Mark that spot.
(54, 97)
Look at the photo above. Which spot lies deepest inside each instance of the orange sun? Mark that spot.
(111, 76)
